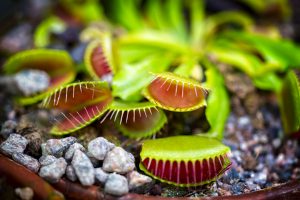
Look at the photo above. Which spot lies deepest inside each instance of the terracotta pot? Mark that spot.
(22, 177)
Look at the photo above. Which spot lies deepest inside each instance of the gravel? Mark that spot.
(70, 152)
(99, 147)
(30, 82)
(118, 160)
(34, 143)
(25, 193)
(57, 147)
(28, 161)
(83, 168)
(14, 144)
(100, 175)
(8, 128)
(54, 171)
(47, 159)
(116, 185)
(136, 179)
(70, 173)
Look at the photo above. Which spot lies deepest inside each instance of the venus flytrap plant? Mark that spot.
(100, 56)
(289, 97)
(44, 30)
(161, 43)
(199, 160)
(136, 120)
(56, 63)
(175, 93)
(81, 103)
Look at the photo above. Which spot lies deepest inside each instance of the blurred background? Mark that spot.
(19, 18)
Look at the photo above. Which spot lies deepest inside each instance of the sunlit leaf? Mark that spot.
(160, 40)
(132, 78)
(246, 62)
(84, 11)
(197, 21)
(218, 103)
(282, 52)
(45, 28)
(126, 13)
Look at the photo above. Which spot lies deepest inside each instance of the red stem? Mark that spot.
(23, 177)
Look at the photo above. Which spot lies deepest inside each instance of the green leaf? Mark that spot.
(174, 11)
(197, 17)
(268, 81)
(126, 13)
(185, 68)
(262, 75)
(45, 28)
(246, 62)
(289, 101)
(280, 52)
(156, 15)
(159, 40)
(218, 104)
(85, 11)
(228, 17)
(133, 77)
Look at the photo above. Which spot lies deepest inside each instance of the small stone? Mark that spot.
(96, 163)
(57, 147)
(8, 128)
(237, 188)
(118, 160)
(34, 143)
(44, 150)
(100, 175)
(136, 179)
(70, 172)
(54, 171)
(243, 121)
(70, 152)
(116, 185)
(25, 193)
(47, 160)
(31, 81)
(83, 168)
(276, 142)
(231, 176)
(249, 162)
(28, 161)
(99, 147)
(14, 144)
(261, 177)
(223, 192)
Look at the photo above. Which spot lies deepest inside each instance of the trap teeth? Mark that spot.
(101, 58)
(136, 120)
(185, 160)
(80, 103)
(175, 93)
